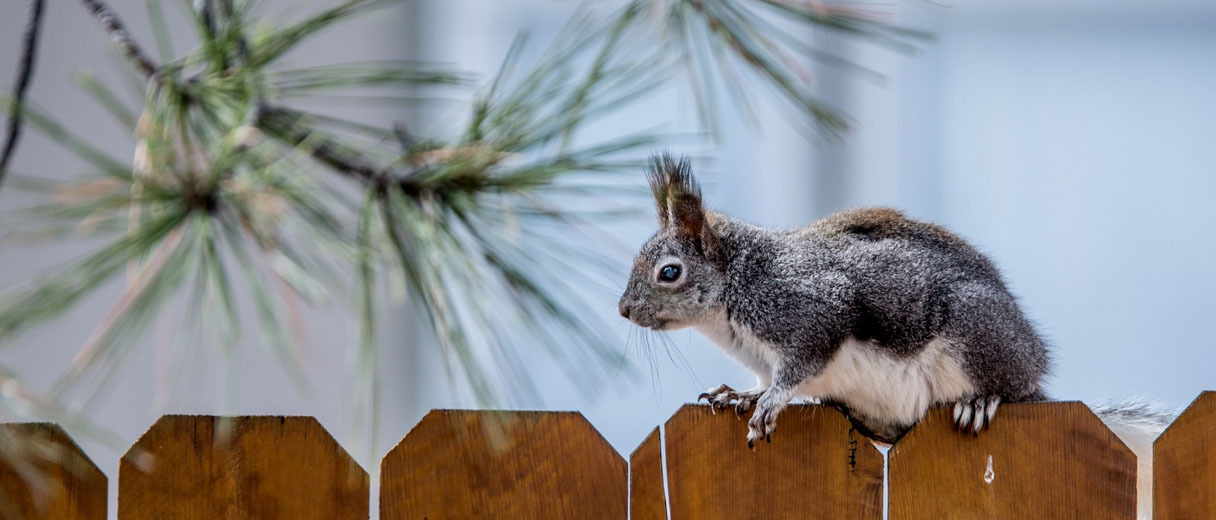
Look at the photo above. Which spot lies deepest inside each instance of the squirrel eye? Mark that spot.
(669, 273)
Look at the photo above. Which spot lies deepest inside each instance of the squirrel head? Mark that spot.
(678, 276)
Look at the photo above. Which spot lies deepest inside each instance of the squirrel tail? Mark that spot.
(1137, 423)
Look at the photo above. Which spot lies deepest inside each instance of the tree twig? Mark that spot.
(242, 45)
(404, 138)
(25, 72)
(284, 124)
(120, 35)
(207, 12)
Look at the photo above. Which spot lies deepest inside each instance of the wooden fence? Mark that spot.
(1040, 461)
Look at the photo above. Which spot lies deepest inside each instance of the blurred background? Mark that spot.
(1072, 142)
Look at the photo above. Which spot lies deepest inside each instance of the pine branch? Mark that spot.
(25, 72)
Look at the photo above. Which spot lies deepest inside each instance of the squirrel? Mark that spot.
(866, 310)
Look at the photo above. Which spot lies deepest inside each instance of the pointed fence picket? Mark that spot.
(193, 467)
(647, 500)
(815, 467)
(1184, 464)
(1039, 460)
(471, 464)
(44, 474)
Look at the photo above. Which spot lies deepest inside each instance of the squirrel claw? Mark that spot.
(724, 397)
(713, 394)
(971, 416)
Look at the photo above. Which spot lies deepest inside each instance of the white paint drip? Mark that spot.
(989, 475)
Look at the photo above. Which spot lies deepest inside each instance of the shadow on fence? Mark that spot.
(1040, 460)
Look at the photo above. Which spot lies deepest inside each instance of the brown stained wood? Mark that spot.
(1043, 461)
(816, 467)
(647, 501)
(45, 475)
(478, 464)
(251, 468)
(1184, 464)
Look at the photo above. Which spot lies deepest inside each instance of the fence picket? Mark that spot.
(65, 484)
(480, 464)
(1184, 464)
(647, 500)
(1038, 460)
(264, 467)
(816, 467)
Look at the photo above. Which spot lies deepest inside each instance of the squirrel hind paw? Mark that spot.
(975, 414)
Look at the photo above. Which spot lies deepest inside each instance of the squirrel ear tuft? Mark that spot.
(677, 197)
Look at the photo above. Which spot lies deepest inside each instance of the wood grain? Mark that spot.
(647, 500)
(268, 467)
(65, 484)
(816, 467)
(1184, 464)
(1048, 461)
(477, 464)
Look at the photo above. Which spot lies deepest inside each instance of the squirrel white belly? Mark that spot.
(868, 310)
(879, 387)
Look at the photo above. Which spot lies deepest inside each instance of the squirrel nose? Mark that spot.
(623, 308)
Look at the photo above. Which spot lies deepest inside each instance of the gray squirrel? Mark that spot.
(867, 310)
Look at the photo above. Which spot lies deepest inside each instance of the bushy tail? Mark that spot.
(1138, 423)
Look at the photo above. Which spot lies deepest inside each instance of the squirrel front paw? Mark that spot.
(764, 419)
(722, 396)
(975, 414)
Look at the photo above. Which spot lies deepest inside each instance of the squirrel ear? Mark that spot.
(694, 223)
(687, 214)
(711, 246)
